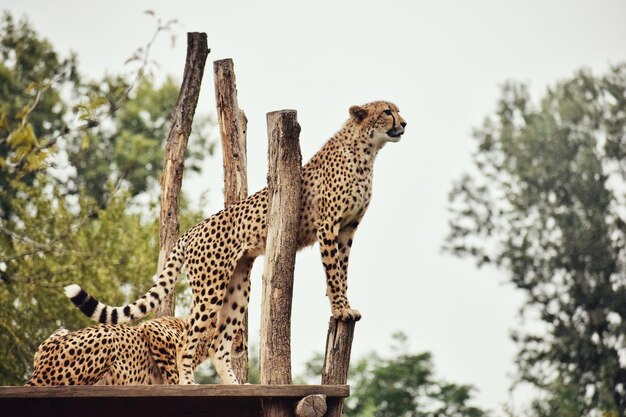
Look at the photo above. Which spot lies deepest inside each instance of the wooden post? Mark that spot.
(337, 360)
(233, 125)
(284, 183)
(173, 164)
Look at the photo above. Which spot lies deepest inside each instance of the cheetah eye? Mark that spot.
(387, 112)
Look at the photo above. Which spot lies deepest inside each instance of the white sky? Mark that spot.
(442, 63)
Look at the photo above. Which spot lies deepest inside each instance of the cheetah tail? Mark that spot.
(105, 314)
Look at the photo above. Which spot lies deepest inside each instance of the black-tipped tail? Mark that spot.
(89, 306)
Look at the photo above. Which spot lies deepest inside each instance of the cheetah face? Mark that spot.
(381, 120)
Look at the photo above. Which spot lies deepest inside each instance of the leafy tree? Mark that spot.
(106, 253)
(54, 248)
(114, 133)
(67, 188)
(401, 386)
(546, 203)
(129, 147)
(562, 400)
(31, 76)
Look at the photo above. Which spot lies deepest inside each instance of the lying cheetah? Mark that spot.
(113, 354)
(218, 252)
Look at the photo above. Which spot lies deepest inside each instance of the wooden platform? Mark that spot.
(153, 401)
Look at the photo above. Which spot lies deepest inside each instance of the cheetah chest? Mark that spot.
(358, 179)
(360, 194)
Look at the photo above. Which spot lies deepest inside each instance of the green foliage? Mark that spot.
(112, 254)
(562, 400)
(401, 386)
(55, 247)
(77, 222)
(546, 203)
(115, 131)
(31, 77)
(130, 146)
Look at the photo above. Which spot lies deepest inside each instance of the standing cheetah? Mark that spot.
(218, 252)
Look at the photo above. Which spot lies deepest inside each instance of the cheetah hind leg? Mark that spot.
(208, 299)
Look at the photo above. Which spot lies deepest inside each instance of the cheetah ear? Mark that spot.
(359, 113)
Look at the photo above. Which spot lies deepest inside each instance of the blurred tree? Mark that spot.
(130, 146)
(114, 133)
(53, 248)
(31, 77)
(113, 254)
(400, 386)
(546, 202)
(562, 400)
(67, 182)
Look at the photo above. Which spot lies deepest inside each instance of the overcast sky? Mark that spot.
(442, 63)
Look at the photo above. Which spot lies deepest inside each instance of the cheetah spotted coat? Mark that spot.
(218, 253)
(112, 354)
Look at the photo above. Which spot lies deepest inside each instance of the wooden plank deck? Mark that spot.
(155, 400)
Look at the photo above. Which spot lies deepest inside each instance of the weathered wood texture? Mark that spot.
(233, 125)
(173, 164)
(337, 360)
(311, 406)
(284, 183)
(153, 401)
(212, 390)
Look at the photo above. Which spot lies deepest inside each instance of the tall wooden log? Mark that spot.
(233, 124)
(173, 164)
(337, 360)
(284, 183)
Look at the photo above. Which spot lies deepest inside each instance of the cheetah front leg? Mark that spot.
(335, 247)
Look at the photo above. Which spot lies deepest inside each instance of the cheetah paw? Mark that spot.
(346, 314)
(187, 382)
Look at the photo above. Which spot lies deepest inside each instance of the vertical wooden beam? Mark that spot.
(337, 360)
(284, 183)
(233, 125)
(173, 164)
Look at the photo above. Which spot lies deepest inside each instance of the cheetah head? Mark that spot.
(380, 120)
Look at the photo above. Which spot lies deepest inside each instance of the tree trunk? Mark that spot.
(284, 183)
(173, 164)
(337, 360)
(233, 124)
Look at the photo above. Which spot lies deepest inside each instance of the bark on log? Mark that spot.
(173, 164)
(284, 183)
(233, 125)
(337, 360)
